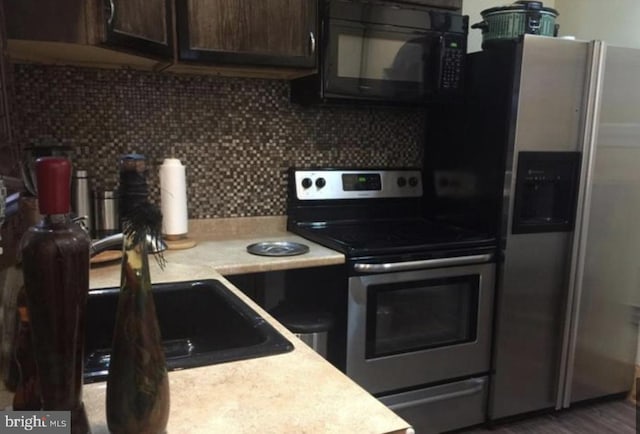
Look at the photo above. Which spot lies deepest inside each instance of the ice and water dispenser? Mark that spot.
(546, 192)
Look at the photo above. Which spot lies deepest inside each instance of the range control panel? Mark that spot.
(328, 184)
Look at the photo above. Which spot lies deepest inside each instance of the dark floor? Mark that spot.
(617, 417)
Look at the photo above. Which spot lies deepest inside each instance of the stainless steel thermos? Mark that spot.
(81, 199)
(107, 215)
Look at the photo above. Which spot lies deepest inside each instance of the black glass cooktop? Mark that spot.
(377, 237)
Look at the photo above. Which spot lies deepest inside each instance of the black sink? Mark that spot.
(201, 322)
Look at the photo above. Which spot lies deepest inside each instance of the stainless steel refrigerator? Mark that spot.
(545, 154)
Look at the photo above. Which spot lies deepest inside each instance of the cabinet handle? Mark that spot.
(312, 43)
(112, 12)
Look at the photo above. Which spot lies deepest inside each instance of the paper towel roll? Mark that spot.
(173, 198)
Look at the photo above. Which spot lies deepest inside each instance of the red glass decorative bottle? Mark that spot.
(55, 264)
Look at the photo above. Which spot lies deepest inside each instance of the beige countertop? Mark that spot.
(221, 245)
(295, 392)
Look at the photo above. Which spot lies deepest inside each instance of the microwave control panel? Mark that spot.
(452, 59)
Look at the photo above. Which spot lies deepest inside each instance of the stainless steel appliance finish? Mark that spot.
(534, 285)
(364, 267)
(437, 318)
(354, 184)
(567, 283)
(602, 335)
(420, 293)
(81, 199)
(107, 216)
(595, 355)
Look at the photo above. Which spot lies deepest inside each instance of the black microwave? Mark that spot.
(385, 52)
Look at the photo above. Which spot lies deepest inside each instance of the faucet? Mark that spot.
(155, 244)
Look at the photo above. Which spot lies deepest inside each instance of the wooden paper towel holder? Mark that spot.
(179, 242)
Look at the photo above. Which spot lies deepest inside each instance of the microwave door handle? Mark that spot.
(419, 265)
(312, 43)
(437, 398)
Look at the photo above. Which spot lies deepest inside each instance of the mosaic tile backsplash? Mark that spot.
(236, 136)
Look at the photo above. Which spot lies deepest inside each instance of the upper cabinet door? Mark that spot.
(7, 148)
(454, 5)
(141, 25)
(252, 32)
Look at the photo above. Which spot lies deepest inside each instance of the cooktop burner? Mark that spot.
(369, 212)
(358, 238)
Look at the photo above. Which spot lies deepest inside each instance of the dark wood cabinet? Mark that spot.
(261, 38)
(243, 32)
(131, 33)
(142, 25)
(11, 230)
(9, 150)
(452, 5)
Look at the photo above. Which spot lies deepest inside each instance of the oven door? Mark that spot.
(410, 328)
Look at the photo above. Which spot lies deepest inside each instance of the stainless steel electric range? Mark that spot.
(420, 293)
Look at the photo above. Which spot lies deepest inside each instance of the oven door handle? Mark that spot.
(420, 265)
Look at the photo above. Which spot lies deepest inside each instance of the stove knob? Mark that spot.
(413, 181)
(321, 182)
(402, 181)
(306, 182)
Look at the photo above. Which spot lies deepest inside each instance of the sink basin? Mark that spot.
(201, 323)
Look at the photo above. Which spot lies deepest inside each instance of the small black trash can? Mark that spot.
(309, 325)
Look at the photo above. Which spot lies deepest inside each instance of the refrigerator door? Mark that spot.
(603, 336)
(534, 276)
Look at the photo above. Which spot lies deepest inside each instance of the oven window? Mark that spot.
(377, 58)
(410, 316)
(378, 61)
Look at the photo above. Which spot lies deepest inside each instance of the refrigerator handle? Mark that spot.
(578, 248)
